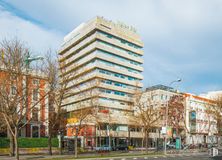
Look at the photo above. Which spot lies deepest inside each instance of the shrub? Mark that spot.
(29, 142)
(4, 142)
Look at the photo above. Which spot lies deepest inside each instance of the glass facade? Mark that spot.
(112, 56)
(119, 39)
(117, 75)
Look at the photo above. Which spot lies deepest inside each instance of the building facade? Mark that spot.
(34, 84)
(105, 61)
(202, 127)
(199, 126)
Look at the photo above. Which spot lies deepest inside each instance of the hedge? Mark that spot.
(29, 142)
(4, 142)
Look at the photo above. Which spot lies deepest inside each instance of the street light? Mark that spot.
(28, 60)
(167, 105)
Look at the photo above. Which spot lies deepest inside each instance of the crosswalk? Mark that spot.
(179, 155)
(162, 157)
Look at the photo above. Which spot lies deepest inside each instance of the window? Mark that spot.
(109, 36)
(108, 91)
(161, 97)
(35, 131)
(35, 81)
(89, 143)
(35, 115)
(13, 90)
(13, 77)
(35, 94)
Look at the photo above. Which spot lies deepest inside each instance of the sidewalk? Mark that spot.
(82, 156)
(95, 156)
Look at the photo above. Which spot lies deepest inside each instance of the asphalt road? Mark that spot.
(182, 156)
(198, 156)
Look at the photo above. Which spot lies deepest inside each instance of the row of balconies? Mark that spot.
(86, 76)
(89, 103)
(85, 49)
(87, 58)
(84, 96)
(71, 69)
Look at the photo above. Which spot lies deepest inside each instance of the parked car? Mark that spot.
(171, 145)
(121, 147)
(103, 148)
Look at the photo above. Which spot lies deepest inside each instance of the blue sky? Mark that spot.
(182, 39)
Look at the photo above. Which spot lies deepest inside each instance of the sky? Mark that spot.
(182, 38)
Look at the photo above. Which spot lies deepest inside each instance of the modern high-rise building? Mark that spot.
(103, 59)
(106, 54)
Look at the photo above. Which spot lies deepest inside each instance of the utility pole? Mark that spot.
(28, 60)
(167, 107)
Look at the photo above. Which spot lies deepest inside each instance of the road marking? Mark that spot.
(171, 156)
(145, 157)
(134, 158)
(155, 157)
(123, 159)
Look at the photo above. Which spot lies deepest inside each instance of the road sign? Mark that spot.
(163, 131)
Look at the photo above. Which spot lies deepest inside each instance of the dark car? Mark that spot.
(171, 145)
(121, 147)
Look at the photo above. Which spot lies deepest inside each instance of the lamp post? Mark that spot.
(167, 105)
(28, 60)
(76, 141)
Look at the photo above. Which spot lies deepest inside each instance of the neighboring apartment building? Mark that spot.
(201, 127)
(35, 84)
(105, 59)
(159, 96)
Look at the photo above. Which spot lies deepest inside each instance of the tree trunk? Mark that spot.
(50, 144)
(146, 136)
(128, 141)
(143, 140)
(100, 140)
(60, 144)
(12, 146)
(16, 144)
(76, 150)
(60, 149)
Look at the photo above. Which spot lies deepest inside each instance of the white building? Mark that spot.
(200, 123)
(106, 61)
(200, 127)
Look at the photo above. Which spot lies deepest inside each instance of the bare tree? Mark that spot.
(177, 113)
(87, 109)
(58, 90)
(14, 94)
(147, 114)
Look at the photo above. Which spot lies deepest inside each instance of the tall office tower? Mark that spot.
(106, 58)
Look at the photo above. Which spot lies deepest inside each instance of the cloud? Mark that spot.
(37, 38)
(182, 38)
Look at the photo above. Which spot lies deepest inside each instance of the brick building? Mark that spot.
(33, 84)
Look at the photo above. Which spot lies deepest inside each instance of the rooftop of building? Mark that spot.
(212, 94)
(120, 27)
(160, 87)
(31, 72)
(199, 98)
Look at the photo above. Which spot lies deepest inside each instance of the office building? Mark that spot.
(104, 62)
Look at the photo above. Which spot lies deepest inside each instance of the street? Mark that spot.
(183, 156)
(195, 156)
